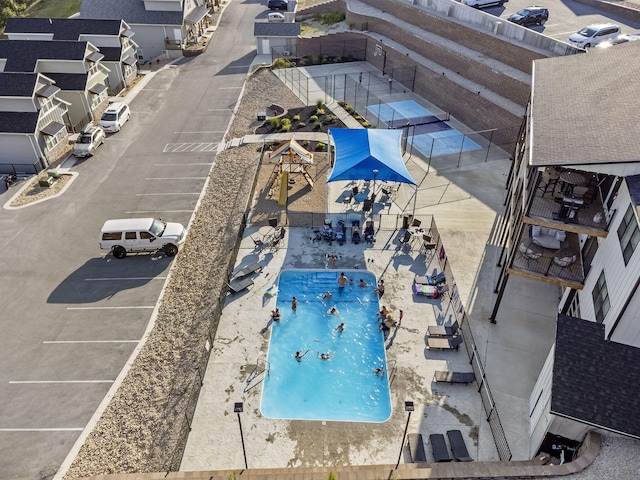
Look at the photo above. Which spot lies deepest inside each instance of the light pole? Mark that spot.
(408, 407)
(373, 191)
(237, 407)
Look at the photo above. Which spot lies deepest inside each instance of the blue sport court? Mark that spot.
(431, 136)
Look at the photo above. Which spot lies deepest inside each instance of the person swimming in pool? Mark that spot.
(340, 328)
(299, 355)
(333, 311)
(342, 280)
(324, 356)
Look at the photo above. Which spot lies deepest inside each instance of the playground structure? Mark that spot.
(291, 159)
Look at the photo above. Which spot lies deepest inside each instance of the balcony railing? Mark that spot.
(554, 203)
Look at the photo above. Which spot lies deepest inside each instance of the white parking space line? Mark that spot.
(219, 110)
(110, 308)
(204, 131)
(157, 211)
(119, 279)
(88, 341)
(70, 429)
(175, 178)
(45, 382)
(190, 147)
(166, 194)
(230, 88)
(183, 164)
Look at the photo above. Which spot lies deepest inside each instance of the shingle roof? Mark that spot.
(70, 81)
(63, 28)
(17, 84)
(266, 29)
(22, 55)
(595, 380)
(18, 122)
(585, 107)
(131, 11)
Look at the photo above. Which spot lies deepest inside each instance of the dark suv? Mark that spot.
(278, 5)
(530, 16)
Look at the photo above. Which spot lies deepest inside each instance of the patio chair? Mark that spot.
(431, 291)
(257, 243)
(355, 232)
(458, 447)
(248, 270)
(367, 204)
(439, 448)
(416, 448)
(275, 243)
(444, 343)
(443, 330)
(416, 223)
(238, 285)
(445, 376)
(369, 232)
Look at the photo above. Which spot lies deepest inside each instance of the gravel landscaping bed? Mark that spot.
(144, 427)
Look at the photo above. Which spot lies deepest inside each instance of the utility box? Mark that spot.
(46, 181)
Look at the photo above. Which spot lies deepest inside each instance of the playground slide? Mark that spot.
(284, 186)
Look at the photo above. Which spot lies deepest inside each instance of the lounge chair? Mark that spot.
(248, 270)
(454, 377)
(443, 330)
(437, 279)
(431, 291)
(416, 448)
(439, 448)
(444, 343)
(236, 286)
(458, 447)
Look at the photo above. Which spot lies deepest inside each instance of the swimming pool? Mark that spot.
(345, 387)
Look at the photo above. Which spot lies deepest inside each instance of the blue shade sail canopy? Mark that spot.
(358, 152)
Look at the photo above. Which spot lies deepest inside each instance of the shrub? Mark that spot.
(315, 59)
(342, 103)
(366, 124)
(302, 125)
(320, 147)
(313, 118)
(281, 63)
(319, 111)
(296, 118)
(325, 59)
(275, 122)
(319, 103)
(358, 117)
(302, 61)
(317, 125)
(331, 17)
(285, 124)
(349, 108)
(331, 118)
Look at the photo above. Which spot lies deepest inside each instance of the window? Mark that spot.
(600, 295)
(588, 253)
(130, 236)
(112, 236)
(146, 235)
(629, 234)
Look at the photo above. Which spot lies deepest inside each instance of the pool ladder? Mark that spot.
(391, 371)
(262, 366)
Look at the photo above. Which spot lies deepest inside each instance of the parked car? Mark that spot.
(483, 3)
(530, 16)
(592, 35)
(278, 5)
(90, 138)
(126, 235)
(115, 116)
(623, 38)
(275, 17)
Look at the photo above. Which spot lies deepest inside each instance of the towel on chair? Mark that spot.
(427, 290)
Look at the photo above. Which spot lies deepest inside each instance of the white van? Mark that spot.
(141, 235)
(115, 116)
(592, 35)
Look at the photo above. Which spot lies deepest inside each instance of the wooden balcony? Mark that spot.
(553, 206)
(561, 266)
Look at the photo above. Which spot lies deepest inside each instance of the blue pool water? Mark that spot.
(344, 387)
(432, 139)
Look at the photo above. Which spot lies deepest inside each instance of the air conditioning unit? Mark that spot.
(286, 53)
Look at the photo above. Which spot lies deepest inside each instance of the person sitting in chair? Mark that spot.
(368, 233)
(355, 234)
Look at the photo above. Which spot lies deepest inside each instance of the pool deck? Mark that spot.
(466, 199)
